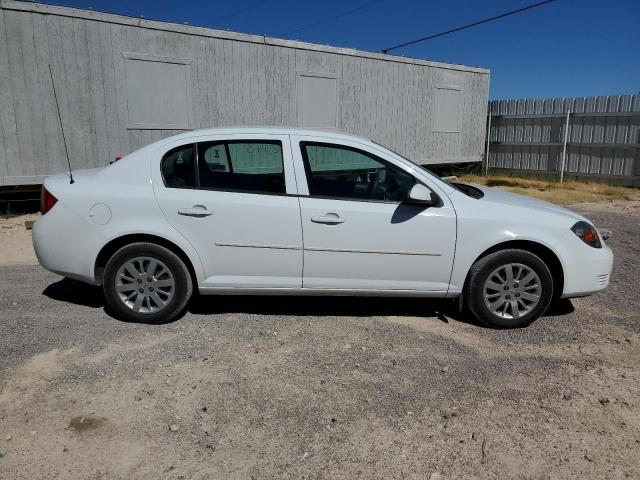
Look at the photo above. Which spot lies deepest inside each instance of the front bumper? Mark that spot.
(586, 269)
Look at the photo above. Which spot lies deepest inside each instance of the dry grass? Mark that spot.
(566, 194)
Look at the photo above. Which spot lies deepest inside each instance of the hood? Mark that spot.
(496, 195)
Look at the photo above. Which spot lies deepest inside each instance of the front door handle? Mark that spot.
(195, 211)
(328, 219)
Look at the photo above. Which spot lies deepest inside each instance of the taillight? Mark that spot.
(47, 201)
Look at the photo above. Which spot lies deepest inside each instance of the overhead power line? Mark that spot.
(329, 19)
(480, 22)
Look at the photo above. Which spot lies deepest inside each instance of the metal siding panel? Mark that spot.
(118, 46)
(403, 105)
(256, 93)
(242, 72)
(9, 163)
(368, 101)
(317, 105)
(270, 73)
(424, 113)
(217, 79)
(83, 134)
(38, 164)
(283, 88)
(418, 103)
(397, 137)
(108, 87)
(4, 85)
(358, 111)
(50, 128)
(383, 111)
(260, 85)
(348, 85)
(200, 95)
(292, 112)
(55, 42)
(371, 98)
(131, 43)
(101, 155)
(22, 165)
(362, 120)
(209, 60)
(227, 82)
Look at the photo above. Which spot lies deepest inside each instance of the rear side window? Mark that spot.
(244, 166)
(178, 167)
(215, 157)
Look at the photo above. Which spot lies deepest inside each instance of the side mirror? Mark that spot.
(421, 195)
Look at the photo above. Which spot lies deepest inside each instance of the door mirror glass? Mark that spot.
(421, 194)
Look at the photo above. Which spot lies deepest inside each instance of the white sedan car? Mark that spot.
(288, 211)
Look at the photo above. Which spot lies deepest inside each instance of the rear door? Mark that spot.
(234, 198)
(359, 233)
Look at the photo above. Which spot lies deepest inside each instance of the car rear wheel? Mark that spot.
(509, 288)
(144, 282)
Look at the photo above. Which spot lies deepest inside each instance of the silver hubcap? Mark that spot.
(512, 290)
(145, 284)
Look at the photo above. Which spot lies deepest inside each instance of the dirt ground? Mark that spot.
(15, 241)
(567, 193)
(261, 387)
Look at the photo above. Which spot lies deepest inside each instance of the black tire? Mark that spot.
(478, 274)
(182, 289)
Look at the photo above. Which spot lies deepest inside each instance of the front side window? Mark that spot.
(247, 166)
(338, 171)
(178, 168)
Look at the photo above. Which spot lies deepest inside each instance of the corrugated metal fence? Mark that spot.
(603, 140)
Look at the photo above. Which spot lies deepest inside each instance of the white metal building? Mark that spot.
(124, 82)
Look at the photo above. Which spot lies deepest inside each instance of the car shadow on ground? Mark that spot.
(78, 293)
(327, 306)
(75, 292)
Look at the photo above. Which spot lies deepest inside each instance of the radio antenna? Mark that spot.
(64, 139)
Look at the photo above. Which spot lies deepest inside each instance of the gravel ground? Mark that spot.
(246, 387)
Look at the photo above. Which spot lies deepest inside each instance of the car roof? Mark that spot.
(333, 133)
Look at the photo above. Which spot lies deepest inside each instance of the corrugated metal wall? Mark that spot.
(603, 140)
(233, 79)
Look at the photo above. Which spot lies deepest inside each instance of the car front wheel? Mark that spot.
(144, 282)
(509, 288)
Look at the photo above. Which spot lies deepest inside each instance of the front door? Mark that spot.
(234, 199)
(359, 233)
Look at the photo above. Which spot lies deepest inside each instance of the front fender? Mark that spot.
(477, 236)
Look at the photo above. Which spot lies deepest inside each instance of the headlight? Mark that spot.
(587, 233)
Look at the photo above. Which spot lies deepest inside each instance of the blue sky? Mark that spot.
(569, 48)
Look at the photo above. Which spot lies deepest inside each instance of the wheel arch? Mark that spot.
(115, 244)
(548, 256)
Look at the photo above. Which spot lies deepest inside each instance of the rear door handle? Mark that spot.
(328, 219)
(195, 211)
